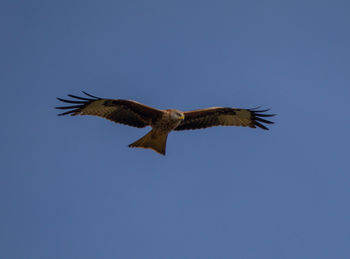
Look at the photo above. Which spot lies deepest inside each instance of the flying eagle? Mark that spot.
(138, 115)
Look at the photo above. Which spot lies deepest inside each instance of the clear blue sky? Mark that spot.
(71, 188)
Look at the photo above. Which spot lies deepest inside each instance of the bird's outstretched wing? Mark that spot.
(220, 116)
(126, 112)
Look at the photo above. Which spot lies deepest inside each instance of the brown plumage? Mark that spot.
(162, 122)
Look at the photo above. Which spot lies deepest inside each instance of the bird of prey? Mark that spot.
(138, 115)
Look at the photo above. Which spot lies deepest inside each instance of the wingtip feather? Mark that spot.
(90, 95)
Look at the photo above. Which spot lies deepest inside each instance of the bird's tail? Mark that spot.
(154, 140)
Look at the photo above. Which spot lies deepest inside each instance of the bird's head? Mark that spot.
(177, 115)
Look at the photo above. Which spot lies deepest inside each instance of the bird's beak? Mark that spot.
(182, 117)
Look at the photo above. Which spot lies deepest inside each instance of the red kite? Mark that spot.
(162, 122)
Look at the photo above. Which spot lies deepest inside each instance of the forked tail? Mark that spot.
(154, 140)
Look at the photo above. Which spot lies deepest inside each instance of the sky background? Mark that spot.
(71, 188)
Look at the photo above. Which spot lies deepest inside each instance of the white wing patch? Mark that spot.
(241, 118)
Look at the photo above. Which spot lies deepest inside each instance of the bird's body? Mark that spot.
(169, 121)
(156, 138)
(162, 122)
